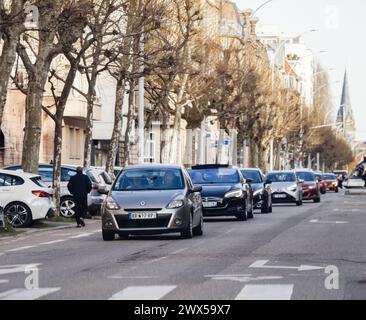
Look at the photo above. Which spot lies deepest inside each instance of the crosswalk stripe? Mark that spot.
(143, 293)
(266, 292)
(24, 294)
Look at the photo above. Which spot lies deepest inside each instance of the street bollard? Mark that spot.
(2, 219)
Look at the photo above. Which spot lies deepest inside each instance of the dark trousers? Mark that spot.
(81, 207)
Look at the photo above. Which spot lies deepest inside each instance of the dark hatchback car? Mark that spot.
(262, 192)
(224, 191)
(152, 199)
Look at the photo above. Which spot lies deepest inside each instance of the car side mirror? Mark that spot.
(195, 189)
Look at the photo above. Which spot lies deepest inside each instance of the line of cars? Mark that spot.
(159, 199)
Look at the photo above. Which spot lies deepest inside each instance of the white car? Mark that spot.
(24, 197)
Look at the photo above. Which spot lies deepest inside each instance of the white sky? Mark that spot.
(342, 25)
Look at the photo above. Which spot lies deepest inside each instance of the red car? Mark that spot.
(331, 181)
(322, 182)
(310, 186)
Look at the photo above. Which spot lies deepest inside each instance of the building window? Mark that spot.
(75, 143)
(150, 148)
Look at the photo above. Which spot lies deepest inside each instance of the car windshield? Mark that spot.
(214, 176)
(306, 176)
(329, 177)
(318, 176)
(252, 174)
(281, 177)
(149, 179)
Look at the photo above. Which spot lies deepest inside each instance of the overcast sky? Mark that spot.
(341, 25)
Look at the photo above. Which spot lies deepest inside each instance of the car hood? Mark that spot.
(216, 190)
(152, 199)
(309, 183)
(257, 186)
(282, 185)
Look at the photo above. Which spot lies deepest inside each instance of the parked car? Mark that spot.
(224, 191)
(153, 199)
(322, 182)
(95, 198)
(331, 181)
(262, 192)
(354, 180)
(310, 186)
(286, 187)
(25, 198)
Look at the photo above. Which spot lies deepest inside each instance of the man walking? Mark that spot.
(79, 186)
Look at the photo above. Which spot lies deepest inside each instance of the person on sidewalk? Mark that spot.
(80, 186)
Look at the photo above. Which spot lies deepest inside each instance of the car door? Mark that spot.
(194, 198)
(10, 189)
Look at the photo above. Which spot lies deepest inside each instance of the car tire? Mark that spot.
(198, 231)
(242, 216)
(265, 207)
(317, 200)
(108, 235)
(299, 203)
(336, 190)
(187, 233)
(66, 207)
(18, 215)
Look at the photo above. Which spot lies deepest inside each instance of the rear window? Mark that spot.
(38, 181)
(7, 180)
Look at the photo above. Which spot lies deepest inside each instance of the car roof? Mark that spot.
(153, 165)
(19, 173)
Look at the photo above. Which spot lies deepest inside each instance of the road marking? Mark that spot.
(346, 210)
(52, 242)
(20, 248)
(24, 294)
(82, 235)
(4, 281)
(261, 264)
(155, 260)
(266, 292)
(143, 293)
(16, 268)
(179, 251)
(242, 277)
(328, 222)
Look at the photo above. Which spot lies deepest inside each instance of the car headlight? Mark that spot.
(259, 191)
(311, 187)
(175, 204)
(292, 188)
(234, 194)
(110, 204)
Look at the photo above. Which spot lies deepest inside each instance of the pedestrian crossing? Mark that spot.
(159, 292)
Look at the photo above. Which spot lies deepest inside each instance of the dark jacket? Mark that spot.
(79, 185)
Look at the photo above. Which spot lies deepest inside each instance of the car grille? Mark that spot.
(124, 222)
(143, 209)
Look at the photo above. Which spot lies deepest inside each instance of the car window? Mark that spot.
(252, 174)
(66, 174)
(7, 180)
(215, 176)
(281, 177)
(306, 176)
(46, 173)
(329, 177)
(149, 179)
(94, 176)
(38, 181)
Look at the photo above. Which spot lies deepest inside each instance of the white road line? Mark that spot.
(24, 294)
(143, 293)
(266, 292)
(52, 242)
(179, 251)
(4, 281)
(328, 222)
(20, 249)
(82, 235)
(133, 277)
(155, 260)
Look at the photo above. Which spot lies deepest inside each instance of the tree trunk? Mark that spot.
(117, 128)
(129, 126)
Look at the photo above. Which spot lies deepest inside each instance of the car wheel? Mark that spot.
(187, 233)
(67, 207)
(18, 215)
(242, 216)
(108, 235)
(336, 190)
(198, 231)
(270, 209)
(317, 200)
(299, 203)
(265, 207)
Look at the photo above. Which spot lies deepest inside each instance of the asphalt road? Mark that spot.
(316, 251)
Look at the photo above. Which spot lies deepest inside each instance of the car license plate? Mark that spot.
(280, 196)
(142, 215)
(209, 204)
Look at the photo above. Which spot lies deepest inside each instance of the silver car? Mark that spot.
(152, 199)
(286, 187)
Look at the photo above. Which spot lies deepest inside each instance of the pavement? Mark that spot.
(316, 251)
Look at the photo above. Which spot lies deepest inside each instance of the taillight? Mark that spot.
(41, 194)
